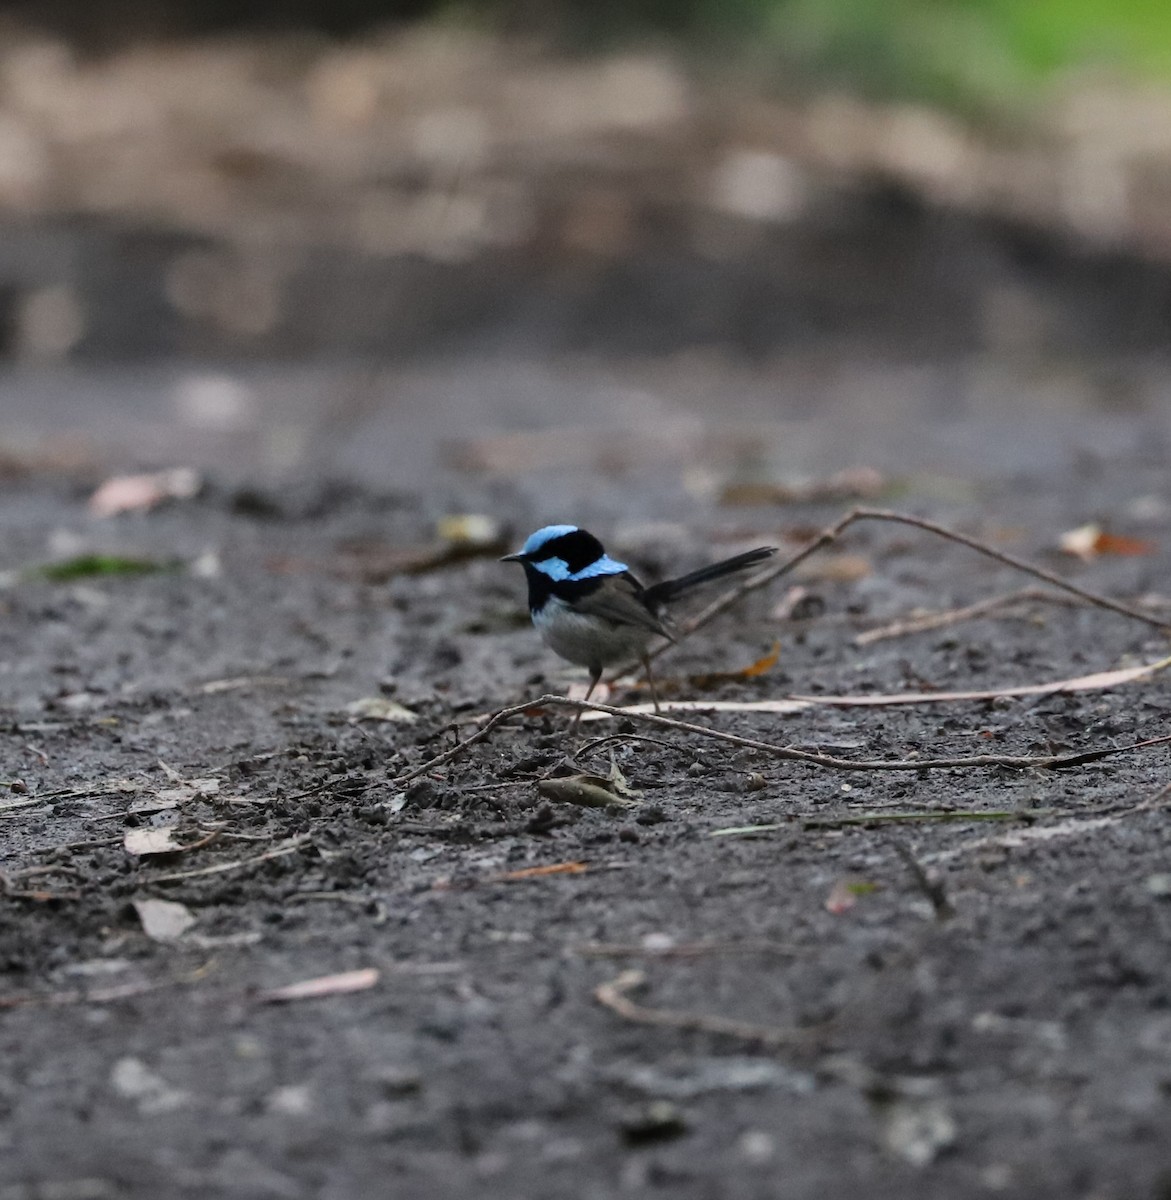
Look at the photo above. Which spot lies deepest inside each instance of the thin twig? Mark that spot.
(1074, 827)
(942, 816)
(613, 995)
(933, 889)
(109, 995)
(289, 847)
(16, 807)
(925, 622)
(680, 950)
(830, 534)
(868, 820)
(598, 743)
(1011, 761)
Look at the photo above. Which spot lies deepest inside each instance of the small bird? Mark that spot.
(591, 610)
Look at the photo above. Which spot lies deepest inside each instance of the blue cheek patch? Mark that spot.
(600, 566)
(558, 570)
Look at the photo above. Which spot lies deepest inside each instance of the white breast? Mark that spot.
(588, 641)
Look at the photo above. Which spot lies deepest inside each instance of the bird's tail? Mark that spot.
(669, 589)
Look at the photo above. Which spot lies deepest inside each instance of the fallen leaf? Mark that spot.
(855, 483)
(777, 707)
(600, 695)
(658, 1121)
(324, 985)
(797, 604)
(844, 894)
(1120, 544)
(917, 1128)
(587, 791)
(141, 493)
(470, 529)
(240, 682)
(563, 868)
(460, 537)
(835, 568)
(83, 566)
(143, 842)
(618, 781)
(379, 708)
(1089, 541)
(760, 667)
(1101, 681)
(148, 805)
(133, 1080)
(189, 790)
(164, 920)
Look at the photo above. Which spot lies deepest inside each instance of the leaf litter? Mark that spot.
(163, 920)
(613, 998)
(611, 791)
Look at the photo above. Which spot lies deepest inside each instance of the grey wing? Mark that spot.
(618, 601)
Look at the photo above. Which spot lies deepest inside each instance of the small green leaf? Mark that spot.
(85, 566)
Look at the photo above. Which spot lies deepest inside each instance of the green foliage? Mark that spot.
(966, 53)
(85, 566)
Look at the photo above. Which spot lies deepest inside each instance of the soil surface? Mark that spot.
(974, 1003)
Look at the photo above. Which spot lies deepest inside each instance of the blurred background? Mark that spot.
(393, 241)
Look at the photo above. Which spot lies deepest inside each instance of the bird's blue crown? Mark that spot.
(565, 552)
(535, 541)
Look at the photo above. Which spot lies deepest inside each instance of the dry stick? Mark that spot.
(613, 995)
(926, 622)
(933, 889)
(1073, 827)
(868, 820)
(1015, 762)
(289, 847)
(679, 950)
(833, 532)
(124, 991)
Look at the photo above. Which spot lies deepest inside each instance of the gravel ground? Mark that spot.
(972, 1004)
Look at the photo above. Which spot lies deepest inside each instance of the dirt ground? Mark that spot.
(1011, 1039)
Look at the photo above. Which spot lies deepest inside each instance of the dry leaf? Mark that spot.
(1120, 544)
(856, 483)
(379, 708)
(324, 985)
(164, 920)
(844, 894)
(600, 695)
(761, 667)
(141, 493)
(240, 682)
(1101, 681)
(144, 842)
(189, 790)
(618, 781)
(563, 868)
(835, 568)
(917, 1128)
(798, 604)
(147, 805)
(470, 529)
(1089, 541)
(587, 791)
(776, 707)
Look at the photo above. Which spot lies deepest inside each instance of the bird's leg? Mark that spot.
(595, 675)
(646, 666)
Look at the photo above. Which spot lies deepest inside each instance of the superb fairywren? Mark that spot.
(591, 610)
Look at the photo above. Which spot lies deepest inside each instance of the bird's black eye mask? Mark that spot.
(577, 550)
